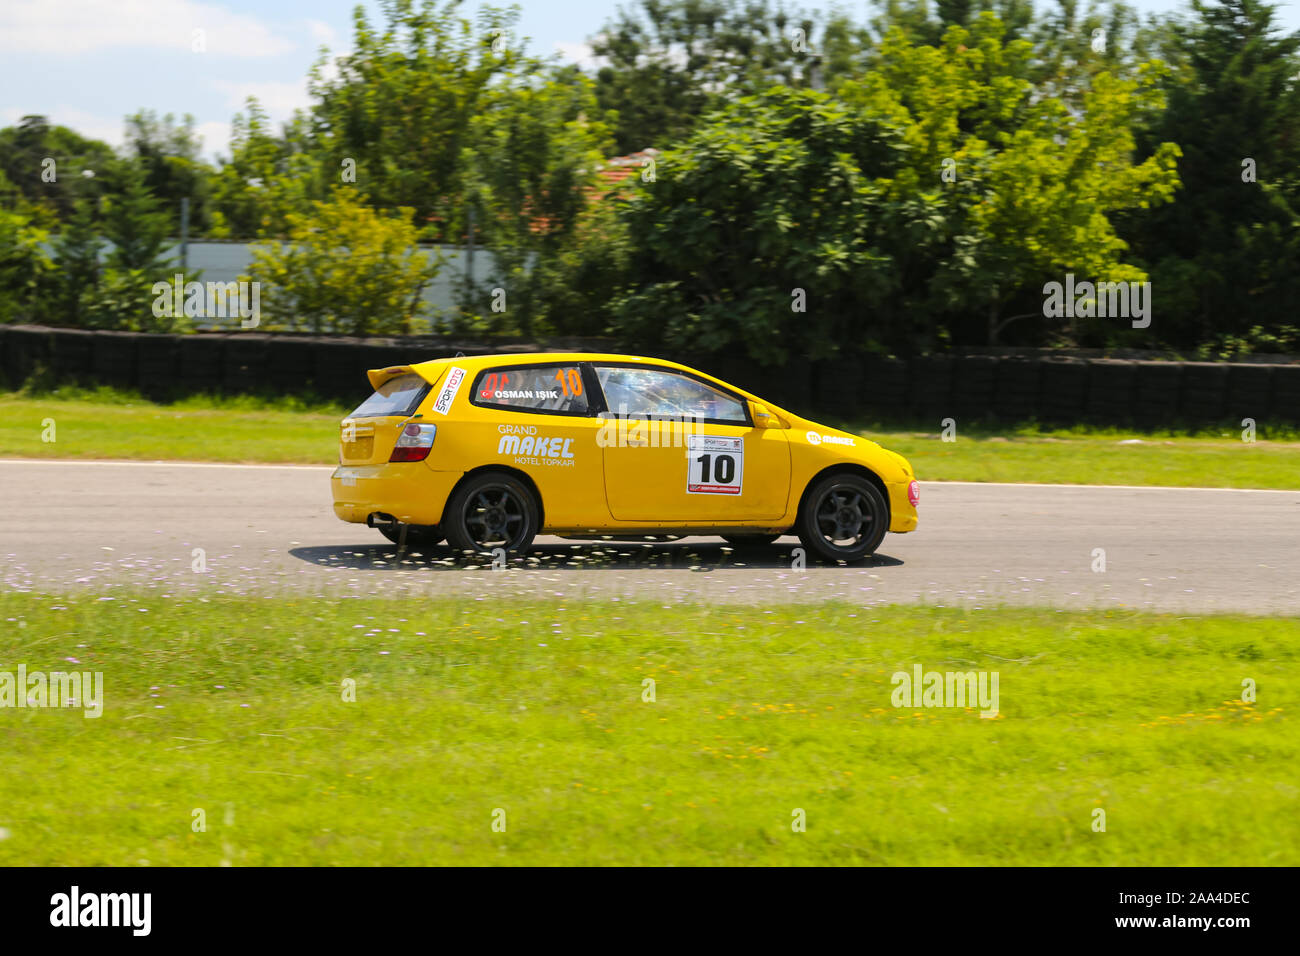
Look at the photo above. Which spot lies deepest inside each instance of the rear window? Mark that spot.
(533, 388)
(397, 396)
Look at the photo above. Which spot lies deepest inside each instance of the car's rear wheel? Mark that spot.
(489, 511)
(417, 535)
(750, 540)
(844, 518)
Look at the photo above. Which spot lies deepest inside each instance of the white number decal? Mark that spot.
(715, 465)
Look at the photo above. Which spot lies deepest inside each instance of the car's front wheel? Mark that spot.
(844, 518)
(489, 511)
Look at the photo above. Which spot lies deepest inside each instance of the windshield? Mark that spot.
(662, 393)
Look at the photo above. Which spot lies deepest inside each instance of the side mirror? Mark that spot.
(763, 417)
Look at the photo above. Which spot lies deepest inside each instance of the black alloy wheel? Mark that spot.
(843, 518)
(491, 510)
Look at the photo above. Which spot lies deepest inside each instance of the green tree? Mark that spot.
(137, 226)
(41, 160)
(670, 61)
(23, 265)
(398, 108)
(925, 23)
(1047, 205)
(344, 268)
(773, 232)
(1225, 255)
(77, 256)
(134, 221)
(538, 144)
(1038, 182)
(589, 271)
(936, 188)
(266, 178)
(1074, 43)
(170, 154)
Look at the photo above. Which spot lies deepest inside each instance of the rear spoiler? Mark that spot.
(378, 376)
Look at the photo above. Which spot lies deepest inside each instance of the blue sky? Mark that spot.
(88, 63)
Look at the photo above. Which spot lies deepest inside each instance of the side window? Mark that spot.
(650, 392)
(533, 388)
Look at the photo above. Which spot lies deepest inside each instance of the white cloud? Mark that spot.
(278, 99)
(580, 53)
(321, 33)
(79, 26)
(215, 137)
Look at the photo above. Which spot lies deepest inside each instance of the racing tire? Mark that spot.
(489, 511)
(843, 517)
(417, 535)
(750, 540)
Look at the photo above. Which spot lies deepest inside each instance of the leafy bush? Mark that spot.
(345, 268)
(23, 265)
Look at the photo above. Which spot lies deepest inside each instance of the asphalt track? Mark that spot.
(115, 528)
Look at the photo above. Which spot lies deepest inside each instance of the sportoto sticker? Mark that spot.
(448, 394)
(715, 465)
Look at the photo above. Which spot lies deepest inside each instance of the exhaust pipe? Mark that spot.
(378, 519)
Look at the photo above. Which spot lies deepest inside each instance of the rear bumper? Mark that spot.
(411, 492)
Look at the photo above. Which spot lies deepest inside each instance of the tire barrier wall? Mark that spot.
(1046, 387)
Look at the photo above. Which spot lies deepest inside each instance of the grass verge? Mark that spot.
(1098, 457)
(234, 707)
(105, 423)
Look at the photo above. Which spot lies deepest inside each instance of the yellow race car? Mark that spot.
(490, 451)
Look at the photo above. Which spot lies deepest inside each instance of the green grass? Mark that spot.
(233, 706)
(1097, 457)
(106, 423)
(110, 424)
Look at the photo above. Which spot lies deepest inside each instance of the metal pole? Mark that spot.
(185, 231)
(469, 252)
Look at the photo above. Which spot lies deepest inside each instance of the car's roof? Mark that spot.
(469, 362)
(433, 369)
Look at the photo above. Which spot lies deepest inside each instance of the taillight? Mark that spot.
(414, 443)
(914, 493)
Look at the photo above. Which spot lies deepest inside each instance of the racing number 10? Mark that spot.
(716, 465)
(724, 469)
(570, 380)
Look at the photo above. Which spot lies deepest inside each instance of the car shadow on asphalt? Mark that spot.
(698, 557)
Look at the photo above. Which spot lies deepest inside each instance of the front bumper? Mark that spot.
(902, 513)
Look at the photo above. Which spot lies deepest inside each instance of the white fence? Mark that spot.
(227, 261)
